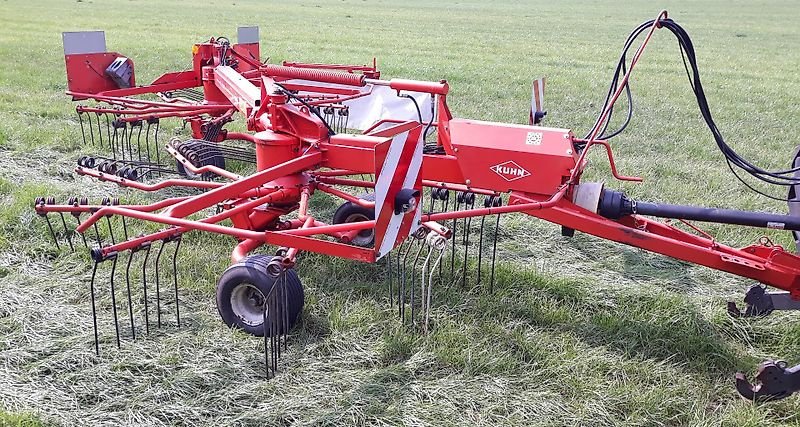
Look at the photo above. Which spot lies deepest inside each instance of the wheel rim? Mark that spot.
(364, 237)
(247, 303)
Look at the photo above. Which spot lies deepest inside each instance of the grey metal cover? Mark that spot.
(247, 35)
(76, 42)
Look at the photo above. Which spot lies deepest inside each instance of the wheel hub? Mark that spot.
(364, 237)
(247, 303)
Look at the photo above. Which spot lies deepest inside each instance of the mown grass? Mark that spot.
(577, 331)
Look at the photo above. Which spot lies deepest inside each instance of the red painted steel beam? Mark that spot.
(235, 188)
(187, 183)
(778, 268)
(241, 93)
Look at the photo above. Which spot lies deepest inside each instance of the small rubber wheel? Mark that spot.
(351, 212)
(241, 292)
(199, 156)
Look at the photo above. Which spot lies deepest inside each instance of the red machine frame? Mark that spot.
(296, 156)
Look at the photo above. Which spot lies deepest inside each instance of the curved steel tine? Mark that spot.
(285, 314)
(158, 283)
(456, 206)
(413, 281)
(430, 285)
(399, 273)
(91, 127)
(97, 235)
(114, 298)
(52, 232)
(176, 239)
(113, 142)
(99, 133)
(469, 197)
(130, 297)
(126, 141)
(110, 230)
(401, 296)
(75, 201)
(273, 316)
(401, 269)
(83, 131)
(138, 139)
(83, 235)
(108, 132)
(124, 228)
(94, 309)
(267, 340)
(147, 139)
(283, 301)
(498, 201)
(480, 250)
(424, 276)
(389, 275)
(155, 138)
(147, 247)
(129, 138)
(278, 313)
(444, 195)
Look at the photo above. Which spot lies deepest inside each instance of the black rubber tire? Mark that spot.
(349, 210)
(253, 271)
(213, 157)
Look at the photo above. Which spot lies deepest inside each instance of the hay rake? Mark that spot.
(413, 181)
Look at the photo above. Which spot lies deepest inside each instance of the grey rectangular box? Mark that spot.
(76, 42)
(247, 35)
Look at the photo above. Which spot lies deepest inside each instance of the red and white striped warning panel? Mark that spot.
(397, 164)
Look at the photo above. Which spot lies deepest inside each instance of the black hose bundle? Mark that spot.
(777, 177)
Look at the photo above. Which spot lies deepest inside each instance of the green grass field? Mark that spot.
(577, 332)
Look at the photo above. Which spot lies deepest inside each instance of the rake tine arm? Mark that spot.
(181, 225)
(291, 254)
(457, 187)
(243, 248)
(187, 183)
(256, 180)
(139, 115)
(76, 210)
(344, 181)
(523, 205)
(346, 196)
(438, 229)
(142, 103)
(332, 172)
(205, 224)
(201, 170)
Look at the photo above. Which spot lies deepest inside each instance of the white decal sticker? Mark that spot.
(533, 138)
